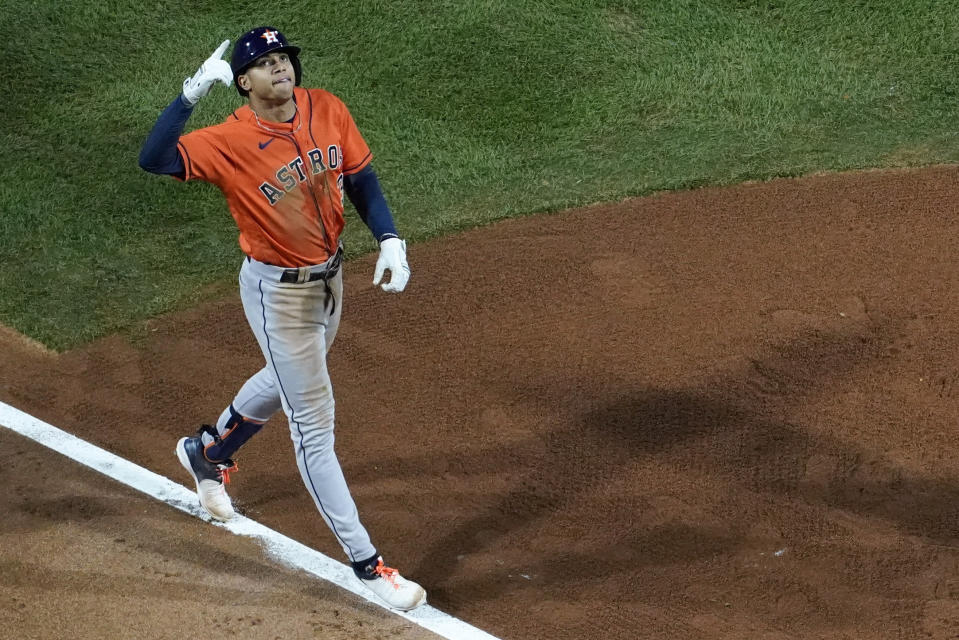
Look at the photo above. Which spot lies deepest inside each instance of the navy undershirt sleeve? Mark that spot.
(159, 153)
(363, 190)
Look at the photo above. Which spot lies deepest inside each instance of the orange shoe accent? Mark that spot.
(226, 471)
(387, 573)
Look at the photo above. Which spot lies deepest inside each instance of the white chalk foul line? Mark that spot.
(285, 550)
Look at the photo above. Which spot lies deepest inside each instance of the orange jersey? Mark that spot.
(283, 182)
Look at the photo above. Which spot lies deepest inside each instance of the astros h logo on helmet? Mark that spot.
(270, 37)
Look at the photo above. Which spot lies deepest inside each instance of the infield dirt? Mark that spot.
(720, 414)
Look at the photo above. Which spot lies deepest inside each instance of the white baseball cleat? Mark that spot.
(209, 478)
(392, 588)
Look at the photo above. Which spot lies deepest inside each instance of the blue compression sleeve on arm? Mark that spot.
(363, 189)
(159, 153)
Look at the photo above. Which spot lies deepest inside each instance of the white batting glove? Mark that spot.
(392, 258)
(214, 69)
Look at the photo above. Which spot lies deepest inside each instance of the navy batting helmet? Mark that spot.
(258, 42)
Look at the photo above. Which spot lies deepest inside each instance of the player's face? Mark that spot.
(270, 77)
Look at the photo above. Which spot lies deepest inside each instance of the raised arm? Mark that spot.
(159, 152)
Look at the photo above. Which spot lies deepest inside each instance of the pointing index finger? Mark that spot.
(221, 49)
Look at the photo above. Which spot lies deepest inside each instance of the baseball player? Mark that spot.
(284, 161)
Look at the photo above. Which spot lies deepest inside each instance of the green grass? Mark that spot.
(476, 111)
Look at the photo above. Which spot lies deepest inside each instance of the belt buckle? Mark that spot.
(300, 275)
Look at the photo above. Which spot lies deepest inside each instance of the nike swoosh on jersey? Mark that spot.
(262, 145)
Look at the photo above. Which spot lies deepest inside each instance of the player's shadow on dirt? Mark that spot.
(730, 427)
(772, 456)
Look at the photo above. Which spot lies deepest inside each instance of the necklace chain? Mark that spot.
(296, 112)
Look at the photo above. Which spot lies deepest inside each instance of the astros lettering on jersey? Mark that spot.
(283, 181)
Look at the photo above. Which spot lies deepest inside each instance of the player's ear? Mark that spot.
(243, 82)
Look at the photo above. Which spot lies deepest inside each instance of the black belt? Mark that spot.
(331, 269)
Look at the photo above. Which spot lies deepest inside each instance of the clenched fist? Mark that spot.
(393, 259)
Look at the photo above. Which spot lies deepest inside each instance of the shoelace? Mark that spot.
(225, 469)
(387, 573)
